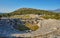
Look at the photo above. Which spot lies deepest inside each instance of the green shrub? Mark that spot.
(32, 26)
(22, 27)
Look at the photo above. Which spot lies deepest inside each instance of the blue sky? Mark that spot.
(12, 5)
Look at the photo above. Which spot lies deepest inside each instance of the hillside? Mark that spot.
(21, 11)
(31, 11)
(57, 10)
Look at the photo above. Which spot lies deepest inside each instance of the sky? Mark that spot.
(7, 6)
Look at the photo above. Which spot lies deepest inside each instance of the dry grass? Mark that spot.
(32, 26)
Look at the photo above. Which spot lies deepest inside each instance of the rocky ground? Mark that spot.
(6, 27)
(47, 28)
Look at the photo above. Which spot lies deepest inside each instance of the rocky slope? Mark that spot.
(6, 26)
(47, 27)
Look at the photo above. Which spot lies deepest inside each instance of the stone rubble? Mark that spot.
(48, 27)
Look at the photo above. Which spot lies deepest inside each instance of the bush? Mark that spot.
(22, 27)
(32, 26)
